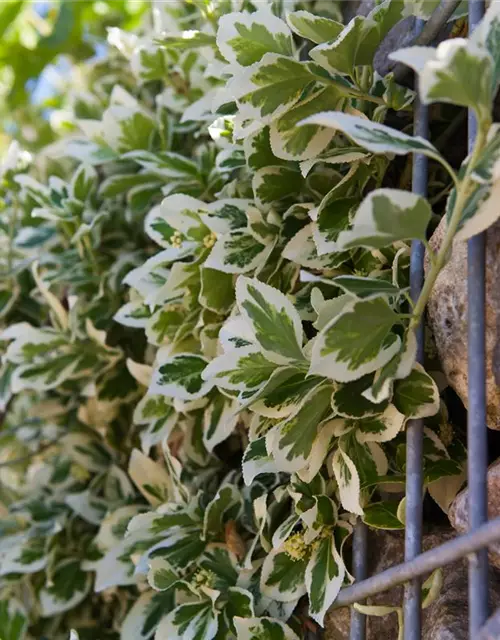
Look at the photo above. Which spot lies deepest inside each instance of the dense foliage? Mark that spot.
(209, 344)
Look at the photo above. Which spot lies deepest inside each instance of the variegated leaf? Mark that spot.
(373, 136)
(386, 216)
(180, 376)
(357, 341)
(263, 628)
(324, 576)
(275, 323)
(244, 38)
(416, 396)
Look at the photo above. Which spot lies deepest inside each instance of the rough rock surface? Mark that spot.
(444, 619)
(459, 509)
(447, 311)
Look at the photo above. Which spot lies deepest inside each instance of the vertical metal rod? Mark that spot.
(359, 561)
(476, 422)
(414, 430)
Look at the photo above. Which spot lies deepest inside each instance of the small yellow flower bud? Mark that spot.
(176, 239)
(209, 240)
(295, 547)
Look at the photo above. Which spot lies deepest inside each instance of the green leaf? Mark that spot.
(375, 137)
(244, 38)
(263, 629)
(226, 505)
(458, 71)
(187, 40)
(366, 287)
(176, 213)
(143, 618)
(313, 27)
(217, 291)
(324, 577)
(273, 319)
(283, 574)
(383, 515)
(292, 441)
(348, 482)
(277, 85)
(284, 393)
(357, 42)
(13, 620)
(256, 461)
(380, 428)
(149, 63)
(244, 370)
(161, 576)
(304, 143)
(221, 417)
(348, 400)
(487, 35)
(386, 216)
(272, 184)
(196, 621)
(480, 211)
(357, 341)
(69, 586)
(29, 555)
(221, 564)
(150, 477)
(180, 376)
(397, 368)
(83, 182)
(238, 252)
(417, 396)
(226, 215)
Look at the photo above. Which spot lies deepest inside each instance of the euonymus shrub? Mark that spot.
(209, 352)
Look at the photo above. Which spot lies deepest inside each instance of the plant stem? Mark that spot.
(463, 192)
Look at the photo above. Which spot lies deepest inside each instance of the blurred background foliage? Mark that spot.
(42, 44)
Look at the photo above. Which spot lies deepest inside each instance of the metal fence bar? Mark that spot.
(414, 429)
(359, 561)
(426, 562)
(476, 421)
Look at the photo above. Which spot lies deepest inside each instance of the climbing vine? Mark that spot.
(209, 352)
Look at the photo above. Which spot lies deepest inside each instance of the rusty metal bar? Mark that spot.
(414, 430)
(359, 561)
(477, 460)
(426, 562)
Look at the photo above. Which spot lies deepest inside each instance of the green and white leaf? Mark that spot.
(244, 369)
(357, 42)
(263, 628)
(313, 27)
(226, 505)
(457, 71)
(244, 38)
(191, 621)
(348, 482)
(373, 136)
(238, 252)
(256, 461)
(291, 442)
(324, 577)
(143, 618)
(357, 341)
(283, 576)
(13, 620)
(180, 376)
(386, 216)
(416, 396)
(275, 323)
(69, 587)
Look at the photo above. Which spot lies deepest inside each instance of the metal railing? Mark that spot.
(481, 532)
